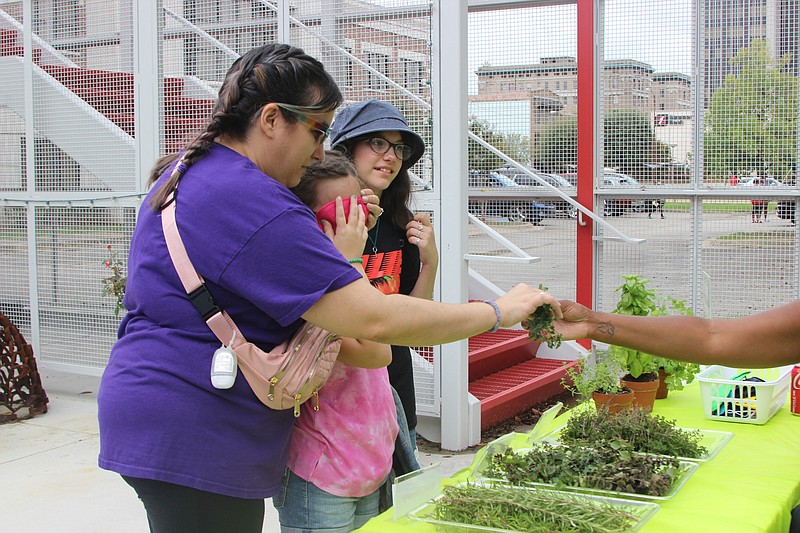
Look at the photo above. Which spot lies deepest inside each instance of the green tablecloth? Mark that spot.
(750, 486)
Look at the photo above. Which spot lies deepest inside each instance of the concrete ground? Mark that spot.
(51, 480)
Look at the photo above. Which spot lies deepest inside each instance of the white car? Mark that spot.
(751, 182)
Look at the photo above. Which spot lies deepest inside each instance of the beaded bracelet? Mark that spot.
(496, 312)
(356, 260)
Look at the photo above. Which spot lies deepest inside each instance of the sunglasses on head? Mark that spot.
(320, 130)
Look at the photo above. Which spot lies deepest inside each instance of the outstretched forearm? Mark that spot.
(768, 339)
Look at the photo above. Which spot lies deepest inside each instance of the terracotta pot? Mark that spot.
(662, 391)
(613, 402)
(644, 392)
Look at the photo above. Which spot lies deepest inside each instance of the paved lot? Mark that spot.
(736, 254)
(53, 484)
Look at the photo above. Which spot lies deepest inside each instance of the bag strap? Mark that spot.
(217, 319)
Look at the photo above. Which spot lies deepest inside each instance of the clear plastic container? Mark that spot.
(642, 511)
(685, 470)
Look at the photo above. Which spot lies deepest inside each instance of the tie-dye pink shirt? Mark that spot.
(346, 447)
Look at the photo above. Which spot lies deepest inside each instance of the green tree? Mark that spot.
(751, 123)
(629, 144)
(556, 147)
(514, 145)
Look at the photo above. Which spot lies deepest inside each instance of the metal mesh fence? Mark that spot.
(522, 82)
(697, 150)
(707, 105)
(75, 248)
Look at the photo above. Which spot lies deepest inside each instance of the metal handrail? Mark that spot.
(201, 33)
(581, 209)
(520, 255)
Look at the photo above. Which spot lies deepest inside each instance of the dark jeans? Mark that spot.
(794, 526)
(177, 509)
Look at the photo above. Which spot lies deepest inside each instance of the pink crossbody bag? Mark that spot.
(283, 378)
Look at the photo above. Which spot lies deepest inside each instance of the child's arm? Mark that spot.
(364, 354)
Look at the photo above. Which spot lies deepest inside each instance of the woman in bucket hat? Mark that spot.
(400, 255)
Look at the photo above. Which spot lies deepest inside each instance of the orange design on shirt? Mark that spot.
(383, 270)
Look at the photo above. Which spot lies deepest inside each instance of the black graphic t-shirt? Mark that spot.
(394, 269)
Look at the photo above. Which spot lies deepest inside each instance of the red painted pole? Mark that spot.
(584, 282)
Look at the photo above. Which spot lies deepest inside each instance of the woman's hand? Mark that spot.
(419, 232)
(521, 301)
(351, 231)
(375, 210)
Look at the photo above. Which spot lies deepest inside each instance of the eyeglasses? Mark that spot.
(381, 146)
(320, 130)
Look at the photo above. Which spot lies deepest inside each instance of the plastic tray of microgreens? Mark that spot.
(710, 441)
(640, 473)
(485, 506)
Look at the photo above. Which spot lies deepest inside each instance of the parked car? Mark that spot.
(571, 178)
(619, 206)
(522, 210)
(562, 207)
(787, 210)
(750, 181)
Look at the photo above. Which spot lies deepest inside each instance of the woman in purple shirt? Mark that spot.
(201, 458)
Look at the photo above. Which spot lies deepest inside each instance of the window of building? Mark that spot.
(349, 70)
(378, 62)
(69, 18)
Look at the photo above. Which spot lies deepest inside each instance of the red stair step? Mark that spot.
(492, 352)
(515, 389)
(8, 38)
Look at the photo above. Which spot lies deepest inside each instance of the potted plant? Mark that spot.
(640, 368)
(599, 382)
(673, 375)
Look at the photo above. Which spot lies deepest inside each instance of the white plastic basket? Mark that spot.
(748, 402)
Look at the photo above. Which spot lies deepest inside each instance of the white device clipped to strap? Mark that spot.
(224, 366)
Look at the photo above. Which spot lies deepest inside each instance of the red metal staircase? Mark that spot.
(112, 94)
(508, 378)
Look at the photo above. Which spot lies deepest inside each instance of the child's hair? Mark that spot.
(334, 166)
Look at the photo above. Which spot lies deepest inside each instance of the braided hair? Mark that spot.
(272, 73)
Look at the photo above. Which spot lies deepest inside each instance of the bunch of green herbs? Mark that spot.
(646, 433)
(540, 325)
(531, 510)
(610, 466)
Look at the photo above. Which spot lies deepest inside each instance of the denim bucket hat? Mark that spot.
(373, 116)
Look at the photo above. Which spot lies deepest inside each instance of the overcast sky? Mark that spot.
(658, 32)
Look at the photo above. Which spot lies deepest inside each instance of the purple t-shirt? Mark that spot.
(265, 261)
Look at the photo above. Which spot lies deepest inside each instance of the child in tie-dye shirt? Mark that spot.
(340, 455)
